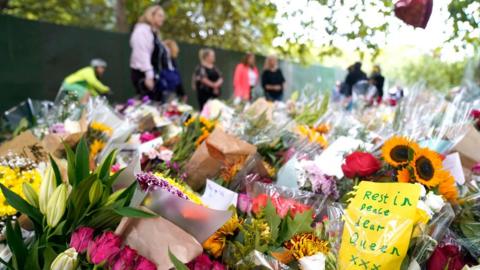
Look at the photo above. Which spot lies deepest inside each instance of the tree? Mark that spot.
(249, 25)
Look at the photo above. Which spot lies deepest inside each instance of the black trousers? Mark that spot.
(138, 81)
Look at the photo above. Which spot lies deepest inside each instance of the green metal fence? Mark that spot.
(36, 56)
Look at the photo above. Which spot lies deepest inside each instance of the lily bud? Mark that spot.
(96, 191)
(56, 205)
(47, 187)
(68, 260)
(114, 196)
(30, 194)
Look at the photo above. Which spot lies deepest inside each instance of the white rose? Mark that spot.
(423, 206)
(315, 262)
(434, 202)
(414, 265)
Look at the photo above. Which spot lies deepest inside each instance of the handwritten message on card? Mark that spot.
(378, 225)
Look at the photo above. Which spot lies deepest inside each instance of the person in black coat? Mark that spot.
(355, 74)
(378, 80)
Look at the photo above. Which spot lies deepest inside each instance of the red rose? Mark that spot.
(446, 257)
(414, 12)
(475, 114)
(360, 164)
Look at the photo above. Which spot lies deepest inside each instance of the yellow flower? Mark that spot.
(190, 121)
(13, 179)
(101, 127)
(270, 169)
(202, 138)
(427, 165)
(447, 186)
(231, 169)
(216, 243)
(183, 188)
(306, 244)
(95, 148)
(397, 151)
(323, 128)
(312, 135)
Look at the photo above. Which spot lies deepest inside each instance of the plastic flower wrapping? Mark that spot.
(309, 183)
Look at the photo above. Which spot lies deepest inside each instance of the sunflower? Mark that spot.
(427, 167)
(397, 151)
(306, 244)
(403, 175)
(217, 242)
(447, 186)
(202, 137)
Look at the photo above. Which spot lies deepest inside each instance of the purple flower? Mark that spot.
(130, 102)
(321, 183)
(58, 128)
(145, 99)
(149, 182)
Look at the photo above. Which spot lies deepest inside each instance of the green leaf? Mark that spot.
(104, 169)
(21, 205)
(56, 171)
(48, 256)
(299, 224)
(72, 177)
(59, 229)
(176, 262)
(133, 212)
(16, 245)
(82, 168)
(78, 200)
(111, 179)
(32, 258)
(273, 219)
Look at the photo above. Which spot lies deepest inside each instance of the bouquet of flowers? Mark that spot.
(60, 207)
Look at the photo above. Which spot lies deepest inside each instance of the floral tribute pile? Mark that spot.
(302, 184)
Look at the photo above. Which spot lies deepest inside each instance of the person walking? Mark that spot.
(355, 75)
(245, 78)
(170, 75)
(207, 79)
(378, 80)
(86, 81)
(273, 82)
(146, 53)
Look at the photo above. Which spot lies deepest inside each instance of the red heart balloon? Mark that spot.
(414, 12)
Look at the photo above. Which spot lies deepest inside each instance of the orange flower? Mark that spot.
(306, 244)
(448, 187)
(202, 138)
(216, 243)
(403, 175)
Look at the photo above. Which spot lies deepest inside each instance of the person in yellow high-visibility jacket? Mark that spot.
(86, 80)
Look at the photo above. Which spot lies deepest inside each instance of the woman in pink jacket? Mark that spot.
(245, 78)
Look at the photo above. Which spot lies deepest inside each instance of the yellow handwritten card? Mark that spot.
(378, 226)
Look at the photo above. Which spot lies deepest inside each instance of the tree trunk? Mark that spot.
(121, 23)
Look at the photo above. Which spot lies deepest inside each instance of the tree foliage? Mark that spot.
(430, 69)
(248, 25)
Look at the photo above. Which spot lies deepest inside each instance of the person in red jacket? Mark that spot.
(245, 78)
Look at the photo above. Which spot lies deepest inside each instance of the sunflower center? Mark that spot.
(424, 168)
(400, 153)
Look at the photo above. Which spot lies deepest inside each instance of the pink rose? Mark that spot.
(218, 266)
(244, 203)
(202, 262)
(146, 137)
(476, 169)
(124, 260)
(81, 238)
(144, 264)
(103, 248)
